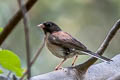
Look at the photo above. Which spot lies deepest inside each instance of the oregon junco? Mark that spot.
(63, 45)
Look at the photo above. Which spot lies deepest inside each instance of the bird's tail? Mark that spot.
(96, 55)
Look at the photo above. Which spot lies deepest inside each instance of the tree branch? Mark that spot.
(14, 21)
(102, 47)
(101, 71)
(26, 30)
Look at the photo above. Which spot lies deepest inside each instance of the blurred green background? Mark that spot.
(87, 20)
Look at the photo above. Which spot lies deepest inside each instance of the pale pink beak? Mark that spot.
(41, 26)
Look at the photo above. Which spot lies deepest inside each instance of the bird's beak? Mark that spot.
(41, 26)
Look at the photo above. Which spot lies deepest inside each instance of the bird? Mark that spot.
(63, 45)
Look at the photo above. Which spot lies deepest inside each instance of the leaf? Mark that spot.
(1, 29)
(1, 71)
(10, 61)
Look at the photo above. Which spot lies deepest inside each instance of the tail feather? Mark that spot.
(97, 56)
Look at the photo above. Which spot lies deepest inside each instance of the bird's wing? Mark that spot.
(65, 40)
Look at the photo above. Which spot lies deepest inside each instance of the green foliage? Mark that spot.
(10, 61)
(1, 71)
(1, 29)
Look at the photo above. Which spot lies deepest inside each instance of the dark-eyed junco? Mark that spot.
(63, 45)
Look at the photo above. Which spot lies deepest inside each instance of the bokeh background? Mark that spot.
(87, 20)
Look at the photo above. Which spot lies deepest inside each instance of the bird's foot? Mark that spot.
(59, 65)
(58, 68)
(72, 65)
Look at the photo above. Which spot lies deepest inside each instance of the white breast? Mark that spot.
(58, 51)
(55, 50)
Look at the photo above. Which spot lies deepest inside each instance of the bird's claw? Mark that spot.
(58, 68)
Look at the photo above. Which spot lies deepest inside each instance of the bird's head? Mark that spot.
(49, 27)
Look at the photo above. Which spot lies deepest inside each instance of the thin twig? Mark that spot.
(26, 30)
(9, 73)
(38, 52)
(14, 21)
(14, 77)
(35, 57)
(102, 48)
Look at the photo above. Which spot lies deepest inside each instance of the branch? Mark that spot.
(14, 21)
(3, 77)
(101, 71)
(102, 48)
(115, 77)
(26, 30)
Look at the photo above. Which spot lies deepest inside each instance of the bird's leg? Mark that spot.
(59, 65)
(74, 60)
